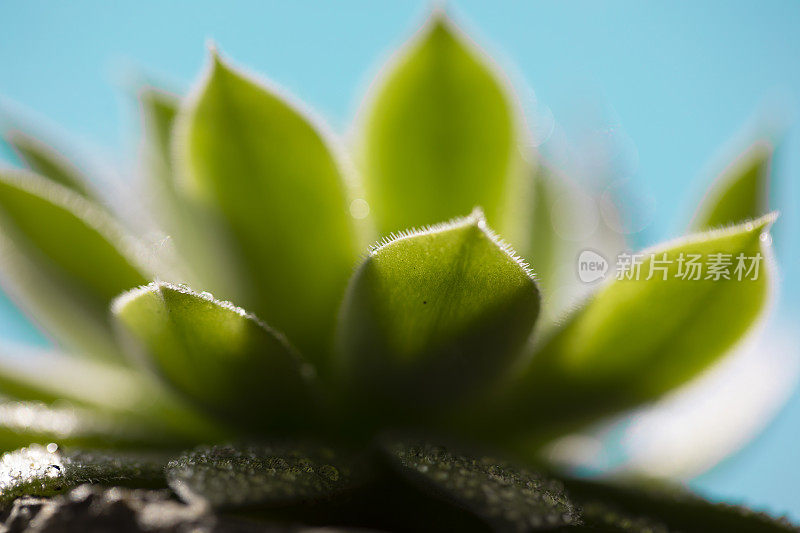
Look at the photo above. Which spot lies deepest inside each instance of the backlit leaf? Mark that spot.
(159, 109)
(47, 162)
(439, 135)
(217, 355)
(431, 314)
(24, 422)
(638, 338)
(63, 260)
(740, 193)
(97, 397)
(268, 178)
(38, 375)
(567, 222)
(188, 231)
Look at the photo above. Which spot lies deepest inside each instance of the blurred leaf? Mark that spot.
(28, 374)
(119, 395)
(51, 303)
(45, 161)
(35, 471)
(440, 135)
(637, 339)
(506, 497)
(430, 315)
(188, 233)
(663, 509)
(63, 260)
(159, 109)
(545, 249)
(24, 422)
(255, 161)
(600, 517)
(70, 233)
(268, 475)
(562, 228)
(218, 355)
(740, 193)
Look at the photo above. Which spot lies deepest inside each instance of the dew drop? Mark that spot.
(53, 471)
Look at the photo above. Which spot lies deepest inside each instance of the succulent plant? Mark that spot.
(347, 365)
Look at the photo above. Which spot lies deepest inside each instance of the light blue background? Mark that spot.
(681, 78)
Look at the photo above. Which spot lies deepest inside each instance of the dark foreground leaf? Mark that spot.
(268, 475)
(506, 497)
(609, 507)
(42, 471)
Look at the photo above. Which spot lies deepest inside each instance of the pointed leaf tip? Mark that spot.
(741, 191)
(672, 311)
(213, 49)
(429, 305)
(48, 162)
(439, 134)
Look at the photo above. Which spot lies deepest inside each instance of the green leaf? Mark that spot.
(46, 471)
(188, 231)
(63, 260)
(24, 422)
(218, 355)
(431, 314)
(47, 162)
(664, 509)
(439, 135)
(120, 402)
(566, 222)
(506, 497)
(268, 475)
(638, 338)
(740, 193)
(28, 374)
(159, 109)
(269, 177)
